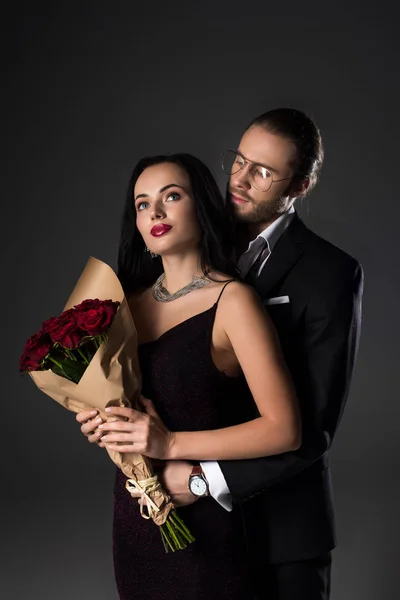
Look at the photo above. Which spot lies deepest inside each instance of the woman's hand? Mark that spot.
(90, 422)
(143, 433)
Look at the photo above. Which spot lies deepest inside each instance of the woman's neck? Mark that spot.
(180, 269)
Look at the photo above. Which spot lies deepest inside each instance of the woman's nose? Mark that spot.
(157, 212)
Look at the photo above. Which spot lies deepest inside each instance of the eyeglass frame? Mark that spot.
(247, 161)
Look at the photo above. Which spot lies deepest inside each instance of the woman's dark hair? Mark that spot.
(303, 133)
(136, 269)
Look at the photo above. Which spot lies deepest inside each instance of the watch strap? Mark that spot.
(197, 470)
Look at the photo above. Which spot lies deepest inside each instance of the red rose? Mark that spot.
(36, 349)
(86, 304)
(95, 316)
(64, 329)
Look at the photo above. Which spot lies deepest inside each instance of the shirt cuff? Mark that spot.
(217, 485)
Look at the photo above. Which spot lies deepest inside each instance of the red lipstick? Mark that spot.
(159, 230)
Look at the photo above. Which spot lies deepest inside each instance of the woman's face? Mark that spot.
(165, 210)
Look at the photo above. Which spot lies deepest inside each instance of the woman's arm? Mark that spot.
(250, 335)
(322, 373)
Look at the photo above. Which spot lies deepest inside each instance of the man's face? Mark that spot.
(278, 154)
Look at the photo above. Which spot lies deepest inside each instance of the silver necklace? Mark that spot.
(161, 294)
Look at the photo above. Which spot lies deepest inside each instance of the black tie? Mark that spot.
(253, 258)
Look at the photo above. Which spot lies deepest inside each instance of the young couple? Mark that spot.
(248, 326)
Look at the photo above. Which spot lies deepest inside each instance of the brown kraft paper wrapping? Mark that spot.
(111, 379)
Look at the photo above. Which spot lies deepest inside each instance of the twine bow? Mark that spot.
(144, 488)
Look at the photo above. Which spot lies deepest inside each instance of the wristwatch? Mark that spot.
(197, 482)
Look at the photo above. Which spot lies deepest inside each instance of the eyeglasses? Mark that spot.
(260, 177)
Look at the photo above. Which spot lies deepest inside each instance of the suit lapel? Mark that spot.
(283, 257)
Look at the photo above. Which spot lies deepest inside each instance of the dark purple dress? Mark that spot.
(190, 394)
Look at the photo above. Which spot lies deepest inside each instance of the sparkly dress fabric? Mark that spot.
(190, 394)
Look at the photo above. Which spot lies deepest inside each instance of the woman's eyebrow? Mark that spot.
(160, 191)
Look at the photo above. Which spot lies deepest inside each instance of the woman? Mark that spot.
(212, 366)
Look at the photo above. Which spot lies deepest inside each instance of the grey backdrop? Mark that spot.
(88, 89)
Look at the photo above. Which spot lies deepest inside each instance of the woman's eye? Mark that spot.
(173, 196)
(142, 205)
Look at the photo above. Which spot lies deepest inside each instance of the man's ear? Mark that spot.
(300, 188)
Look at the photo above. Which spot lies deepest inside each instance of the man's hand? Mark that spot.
(174, 477)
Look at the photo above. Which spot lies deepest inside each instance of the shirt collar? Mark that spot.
(273, 232)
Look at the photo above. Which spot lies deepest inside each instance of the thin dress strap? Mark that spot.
(220, 294)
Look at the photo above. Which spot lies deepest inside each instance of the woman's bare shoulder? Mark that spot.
(240, 302)
(237, 292)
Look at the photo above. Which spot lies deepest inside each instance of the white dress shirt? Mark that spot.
(216, 481)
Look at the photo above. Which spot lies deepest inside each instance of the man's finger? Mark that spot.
(184, 501)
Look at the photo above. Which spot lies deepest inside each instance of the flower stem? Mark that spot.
(70, 354)
(60, 366)
(56, 362)
(174, 533)
(83, 356)
(166, 540)
(180, 526)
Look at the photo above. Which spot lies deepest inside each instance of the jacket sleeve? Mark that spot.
(329, 352)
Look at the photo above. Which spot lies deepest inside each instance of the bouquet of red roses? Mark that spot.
(66, 344)
(85, 359)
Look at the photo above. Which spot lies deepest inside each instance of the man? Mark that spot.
(312, 291)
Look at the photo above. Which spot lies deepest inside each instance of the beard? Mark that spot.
(255, 213)
(262, 212)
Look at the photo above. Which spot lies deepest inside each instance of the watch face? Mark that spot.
(198, 486)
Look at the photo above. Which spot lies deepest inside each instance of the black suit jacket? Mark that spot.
(287, 499)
